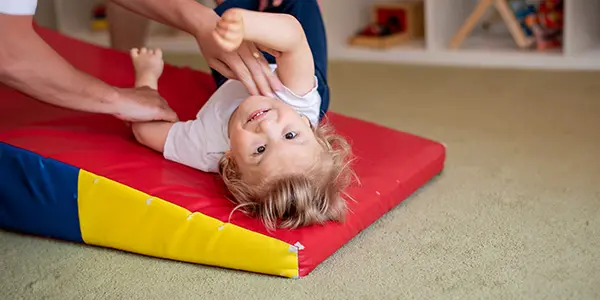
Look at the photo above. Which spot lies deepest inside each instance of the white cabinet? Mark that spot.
(581, 49)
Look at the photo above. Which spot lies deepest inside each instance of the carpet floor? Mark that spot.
(515, 215)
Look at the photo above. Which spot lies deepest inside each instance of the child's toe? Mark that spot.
(134, 52)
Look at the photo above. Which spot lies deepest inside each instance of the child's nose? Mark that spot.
(265, 126)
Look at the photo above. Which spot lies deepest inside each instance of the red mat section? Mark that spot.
(391, 164)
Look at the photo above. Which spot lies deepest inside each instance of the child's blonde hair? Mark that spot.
(294, 200)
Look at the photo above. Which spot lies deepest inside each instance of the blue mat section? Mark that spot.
(38, 195)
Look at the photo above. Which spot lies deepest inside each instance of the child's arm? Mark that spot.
(279, 32)
(152, 134)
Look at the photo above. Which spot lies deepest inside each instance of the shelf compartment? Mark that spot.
(582, 28)
(410, 15)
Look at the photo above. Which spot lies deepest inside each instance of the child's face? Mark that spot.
(269, 137)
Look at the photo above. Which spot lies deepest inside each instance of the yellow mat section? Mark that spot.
(117, 216)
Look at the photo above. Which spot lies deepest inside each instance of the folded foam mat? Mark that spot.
(82, 177)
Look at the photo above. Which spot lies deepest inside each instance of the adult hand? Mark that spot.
(241, 64)
(142, 104)
(264, 3)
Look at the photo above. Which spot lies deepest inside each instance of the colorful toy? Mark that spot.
(550, 14)
(544, 39)
(391, 24)
(389, 27)
(82, 178)
(521, 10)
(99, 21)
(541, 26)
(546, 24)
(504, 12)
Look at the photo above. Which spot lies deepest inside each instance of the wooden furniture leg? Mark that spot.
(513, 25)
(477, 15)
(470, 23)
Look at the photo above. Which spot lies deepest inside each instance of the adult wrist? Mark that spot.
(108, 102)
(199, 19)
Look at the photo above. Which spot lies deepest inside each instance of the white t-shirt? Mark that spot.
(200, 143)
(18, 7)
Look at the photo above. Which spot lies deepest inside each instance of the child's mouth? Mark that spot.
(257, 115)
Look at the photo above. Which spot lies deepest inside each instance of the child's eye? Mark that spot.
(260, 149)
(290, 135)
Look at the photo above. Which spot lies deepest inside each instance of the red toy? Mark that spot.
(99, 21)
(550, 13)
(546, 24)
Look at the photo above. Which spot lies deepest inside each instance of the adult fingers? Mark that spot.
(222, 68)
(262, 4)
(241, 72)
(270, 51)
(272, 78)
(166, 113)
(258, 67)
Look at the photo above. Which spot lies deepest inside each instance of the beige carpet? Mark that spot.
(516, 214)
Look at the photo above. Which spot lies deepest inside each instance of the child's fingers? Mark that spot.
(229, 26)
(224, 34)
(223, 43)
(233, 15)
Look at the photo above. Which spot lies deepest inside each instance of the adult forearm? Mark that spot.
(187, 15)
(28, 64)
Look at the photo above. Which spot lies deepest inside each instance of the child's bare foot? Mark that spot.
(148, 66)
(229, 32)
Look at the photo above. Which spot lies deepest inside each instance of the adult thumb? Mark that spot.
(167, 114)
(262, 4)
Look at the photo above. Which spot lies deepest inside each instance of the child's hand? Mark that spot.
(229, 32)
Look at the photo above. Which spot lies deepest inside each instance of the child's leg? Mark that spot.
(148, 66)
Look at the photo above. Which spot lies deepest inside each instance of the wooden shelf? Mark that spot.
(581, 49)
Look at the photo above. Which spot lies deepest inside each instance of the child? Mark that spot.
(279, 163)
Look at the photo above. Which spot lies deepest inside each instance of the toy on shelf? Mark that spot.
(551, 14)
(522, 9)
(392, 24)
(546, 24)
(99, 21)
(507, 15)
